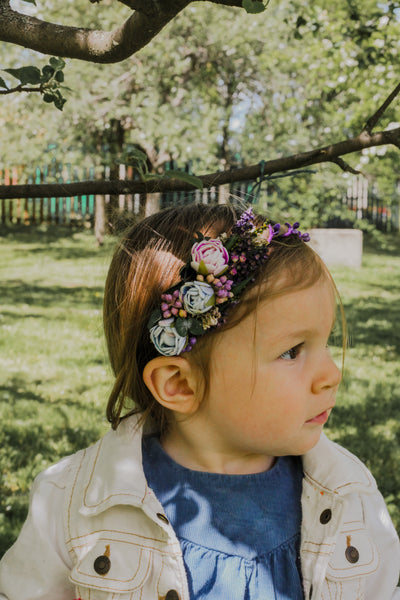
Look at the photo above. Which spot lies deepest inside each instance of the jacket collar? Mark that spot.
(115, 469)
(333, 468)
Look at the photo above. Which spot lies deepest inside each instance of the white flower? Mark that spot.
(166, 339)
(209, 257)
(198, 297)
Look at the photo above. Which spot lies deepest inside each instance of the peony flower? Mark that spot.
(166, 339)
(198, 297)
(209, 256)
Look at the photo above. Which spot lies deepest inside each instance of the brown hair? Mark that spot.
(146, 262)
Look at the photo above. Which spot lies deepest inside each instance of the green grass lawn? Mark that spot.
(54, 374)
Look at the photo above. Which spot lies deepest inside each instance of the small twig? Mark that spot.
(345, 166)
(20, 88)
(372, 121)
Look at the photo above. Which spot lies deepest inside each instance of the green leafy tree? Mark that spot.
(223, 84)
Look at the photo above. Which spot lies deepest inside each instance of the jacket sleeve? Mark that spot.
(37, 566)
(382, 584)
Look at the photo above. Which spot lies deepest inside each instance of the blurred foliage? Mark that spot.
(223, 88)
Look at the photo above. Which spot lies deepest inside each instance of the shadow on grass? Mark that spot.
(39, 234)
(34, 433)
(28, 435)
(382, 244)
(57, 242)
(374, 320)
(370, 428)
(15, 291)
(15, 390)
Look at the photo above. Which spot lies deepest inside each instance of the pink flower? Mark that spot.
(209, 256)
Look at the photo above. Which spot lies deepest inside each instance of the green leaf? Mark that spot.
(26, 75)
(211, 301)
(31, 2)
(198, 237)
(47, 73)
(57, 63)
(155, 317)
(3, 83)
(59, 101)
(231, 242)
(186, 177)
(238, 289)
(253, 6)
(59, 76)
(149, 176)
(195, 327)
(137, 155)
(48, 98)
(202, 268)
(182, 326)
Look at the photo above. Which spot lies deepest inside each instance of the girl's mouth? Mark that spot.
(320, 419)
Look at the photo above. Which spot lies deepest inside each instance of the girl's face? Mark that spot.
(272, 386)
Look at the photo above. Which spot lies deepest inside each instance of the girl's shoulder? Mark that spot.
(113, 444)
(336, 469)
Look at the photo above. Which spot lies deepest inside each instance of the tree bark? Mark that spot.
(147, 20)
(331, 153)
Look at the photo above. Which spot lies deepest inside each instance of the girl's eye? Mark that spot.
(292, 353)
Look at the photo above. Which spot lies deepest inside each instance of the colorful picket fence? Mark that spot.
(78, 210)
(34, 211)
(81, 210)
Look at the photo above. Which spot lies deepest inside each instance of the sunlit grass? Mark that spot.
(54, 375)
(55, 378)
(366, 418)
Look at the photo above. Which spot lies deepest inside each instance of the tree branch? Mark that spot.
(20, 88)
(345, 166)
(86, 44)
(331, 153)
(373, 120)
(92, 45)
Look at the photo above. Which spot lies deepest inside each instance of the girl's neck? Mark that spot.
(198, 454)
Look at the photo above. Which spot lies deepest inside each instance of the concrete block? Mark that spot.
(338, 246)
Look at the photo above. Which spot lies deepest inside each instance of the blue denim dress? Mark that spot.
(239, 534)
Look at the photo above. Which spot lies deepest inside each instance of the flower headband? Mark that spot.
(212, 280)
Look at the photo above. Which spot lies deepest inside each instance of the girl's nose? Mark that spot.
(328, 375)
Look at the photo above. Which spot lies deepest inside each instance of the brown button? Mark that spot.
(172, 595)
(325, 516)
(352, 554)
(102, 565)
(164, 519)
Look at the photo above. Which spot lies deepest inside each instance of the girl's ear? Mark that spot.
(172, 381)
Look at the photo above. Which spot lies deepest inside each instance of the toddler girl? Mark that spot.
(215, 481)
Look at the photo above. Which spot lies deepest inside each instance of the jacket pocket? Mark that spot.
(355, 556)
(112, 568)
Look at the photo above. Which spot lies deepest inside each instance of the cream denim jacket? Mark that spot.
(95, 531)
